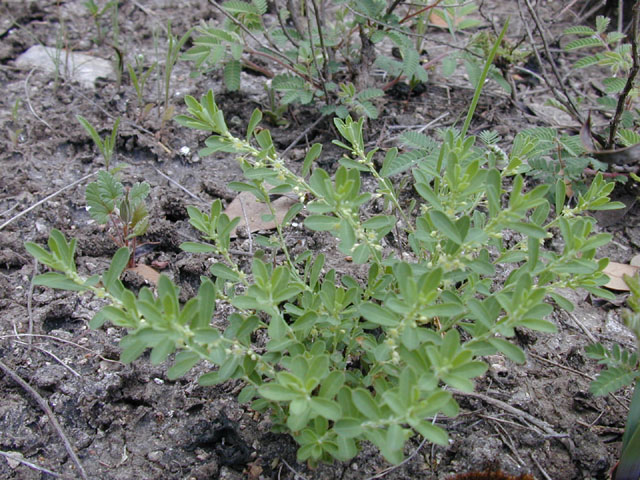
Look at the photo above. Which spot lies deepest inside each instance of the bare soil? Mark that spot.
(130, 421)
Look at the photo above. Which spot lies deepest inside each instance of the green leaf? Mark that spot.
(431, 432)
(132, 348)
(348, 427)
(310, 157)
(444, 225)
(321, 222)
(197, 247)
(365, 403)
(326, 408)
(277, 393)
(220, 270)
(511, 351)
(611, 380)
(59, 281)
(378, 315)
(232, 71)
(161, 351)
(118, 264)
(183, 362)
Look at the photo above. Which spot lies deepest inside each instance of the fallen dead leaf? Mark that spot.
(246, 206)
(616, 271)
(146, 272)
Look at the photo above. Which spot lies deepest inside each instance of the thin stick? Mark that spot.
(246, 225)
(544, 473)
(53, 356)
(566, 101)
(171, 180)
(295, 474)
(62, 340)
(29, 464)
(586, 331)
(45, 199)
(567, 442)
(30, 300)
(559, 365)
(390, 469)
(302, 135)
(54, 422)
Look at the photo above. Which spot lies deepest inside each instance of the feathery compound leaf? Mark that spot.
(418, 140)
(586, 42)
(232, 75)
(612, 379)
(579, 30)
(237, 6)
(261, 6)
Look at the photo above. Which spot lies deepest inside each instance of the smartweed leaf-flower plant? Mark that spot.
(337, 360)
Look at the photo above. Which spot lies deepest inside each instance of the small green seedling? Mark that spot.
(139, 76)
(97, 13)
(106, 145)
(121, 208)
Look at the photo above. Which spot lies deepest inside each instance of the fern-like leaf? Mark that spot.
(232, 75)
(579, 30)
(612, 379)
(587, 42)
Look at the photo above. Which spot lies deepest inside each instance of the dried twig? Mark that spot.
(306, 132)
(390, 469)
(30, 300)
(613, 126)
(11, 457)
(62, 340)
(47, 409)
(562, 437)
(28, 97)
(296, 475)
(561, 95)
(45, 199)
(171, 180)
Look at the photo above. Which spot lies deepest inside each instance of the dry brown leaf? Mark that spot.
(437, 20)
(616, 271)
(146, 272)
(245, 204)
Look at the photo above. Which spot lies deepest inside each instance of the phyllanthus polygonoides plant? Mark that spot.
(341, 360)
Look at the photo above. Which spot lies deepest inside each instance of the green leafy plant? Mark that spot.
(334, 359)
(621, 369)
(107, 145)
(313, 49)
(122, 209)
(174, 45)
(553, 155)
(15, 128)
(620, 89)
(97, 13)
(139, 76)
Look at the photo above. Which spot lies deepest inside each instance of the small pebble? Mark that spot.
(155, 456)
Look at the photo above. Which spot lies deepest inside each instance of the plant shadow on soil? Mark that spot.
(130, 421)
